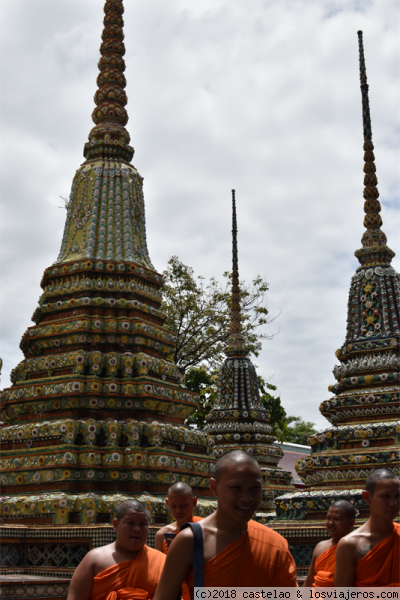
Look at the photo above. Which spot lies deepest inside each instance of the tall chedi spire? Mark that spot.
(108, 138)
(106, 218)
(95, 407)
(365, 408)
(239, 419)
(236, 342)
(374, 248)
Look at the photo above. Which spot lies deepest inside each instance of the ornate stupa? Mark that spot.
(239, 420)
(96, 411)
(364, 411)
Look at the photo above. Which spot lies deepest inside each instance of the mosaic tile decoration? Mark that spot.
(34, 590)
(96, 405)
(98, 535)
(87, 507)
(15, 561)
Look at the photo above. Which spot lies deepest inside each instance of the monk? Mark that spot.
(370, 555)
(181, 504)
(237, 551)
(127, 569)
(339, 522)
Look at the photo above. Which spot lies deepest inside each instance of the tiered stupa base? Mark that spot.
(56, 550)
(344, 455)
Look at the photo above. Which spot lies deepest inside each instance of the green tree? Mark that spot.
(299, 432)
(273, 405)
(198, 312)
(204, 383)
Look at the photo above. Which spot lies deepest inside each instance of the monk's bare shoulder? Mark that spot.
(360, 541)
(186, 534)
(171, 528)
(322, 547)
(346, 560)
(181, 550)
(348, 546)
(95, 561)
(100, 559)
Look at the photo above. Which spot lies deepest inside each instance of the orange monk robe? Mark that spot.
(185, 591)
(259, 558)
(381, 566)
(325, 568)
(135, 579)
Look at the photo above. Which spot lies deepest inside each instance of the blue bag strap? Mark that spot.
(198, 553)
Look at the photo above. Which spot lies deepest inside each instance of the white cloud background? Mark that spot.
(261, 96)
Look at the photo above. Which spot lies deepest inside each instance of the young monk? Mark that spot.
(339, 522)
(181, 504)
(237, 551)
(370, 555)
(125, 569)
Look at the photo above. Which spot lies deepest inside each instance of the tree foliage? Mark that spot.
(198, 312)
(205, 383)
(273, 405)
(297, 430)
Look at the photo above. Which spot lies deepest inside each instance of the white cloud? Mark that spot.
(263, 97)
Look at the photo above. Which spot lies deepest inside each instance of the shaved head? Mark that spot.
(181, 502)
(376, 476)
(345, 506)
(233, 458)
(180, 487)
(130, 506)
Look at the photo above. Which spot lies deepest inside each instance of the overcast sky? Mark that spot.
(262, 96)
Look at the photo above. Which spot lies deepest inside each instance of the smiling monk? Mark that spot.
(237, 550)
(339, 522)
(127, 569)
(370, 555)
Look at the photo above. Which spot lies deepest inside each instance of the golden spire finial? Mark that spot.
(373, 240)
(109, 139)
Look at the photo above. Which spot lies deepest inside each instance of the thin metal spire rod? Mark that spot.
(364, 91)
(236, 326)
(235, 266)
